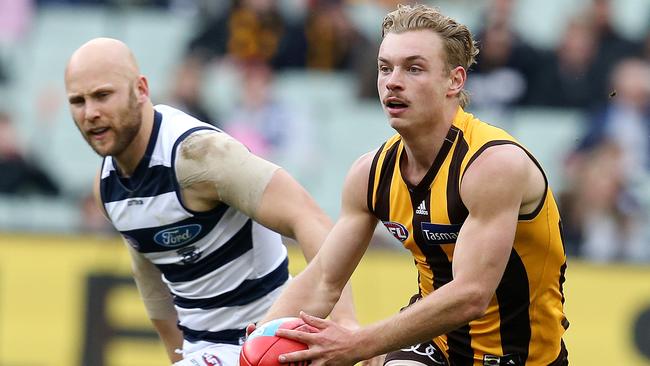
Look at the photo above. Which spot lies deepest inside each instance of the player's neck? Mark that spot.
(129, 159)
(422, 145)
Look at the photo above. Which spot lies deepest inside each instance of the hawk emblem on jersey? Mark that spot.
(398, 230)
(177, 236)
(437, 234)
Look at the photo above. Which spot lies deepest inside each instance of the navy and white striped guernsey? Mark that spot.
(223, 269)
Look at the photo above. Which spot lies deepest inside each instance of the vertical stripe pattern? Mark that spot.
(524, 322)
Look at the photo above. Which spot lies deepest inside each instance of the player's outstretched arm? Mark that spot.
(214, 167)
(316, 289)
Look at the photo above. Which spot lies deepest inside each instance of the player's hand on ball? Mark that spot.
(331, 345)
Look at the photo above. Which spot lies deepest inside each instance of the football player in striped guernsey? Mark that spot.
(200, 214)
(470, 203)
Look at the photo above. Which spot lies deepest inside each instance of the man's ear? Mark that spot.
(457, 78)
(142, 88)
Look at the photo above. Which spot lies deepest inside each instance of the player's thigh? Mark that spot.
(216, 355)
(424, 354)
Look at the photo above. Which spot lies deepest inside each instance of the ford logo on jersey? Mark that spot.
(177, 236)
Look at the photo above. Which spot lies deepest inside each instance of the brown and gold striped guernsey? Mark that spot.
(525, 317)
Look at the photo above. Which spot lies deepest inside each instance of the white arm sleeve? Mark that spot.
(155, 294)
(238, 176)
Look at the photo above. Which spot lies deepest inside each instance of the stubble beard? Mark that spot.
(131, 118)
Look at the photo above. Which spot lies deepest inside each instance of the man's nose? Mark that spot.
(395, 80)
(91, 111)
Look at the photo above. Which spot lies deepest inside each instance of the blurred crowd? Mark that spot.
(592, 68)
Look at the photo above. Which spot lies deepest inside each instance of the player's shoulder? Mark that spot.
(210, 144)
(506, 163)
(364, 162)
(512, 157)
(359, 171)
(181, 120)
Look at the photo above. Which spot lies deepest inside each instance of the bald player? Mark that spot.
(200, 214)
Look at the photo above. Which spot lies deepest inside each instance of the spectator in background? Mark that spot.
(506, 64)
(251, 30)
(245, 31)
(334, 43)
(19, 175)
(643, 49)
(186, 91)
(612, 47)
(15, 21)
(568, 79)
(604, 207)
(271, 129)
(333, 40)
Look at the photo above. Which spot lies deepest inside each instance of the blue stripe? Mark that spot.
(143, 239)
(228, 336)
(131, 186)
(239, 244)
(158, 180)
(247, 292)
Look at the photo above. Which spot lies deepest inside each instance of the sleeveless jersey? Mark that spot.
(223, 269)
(525, 317)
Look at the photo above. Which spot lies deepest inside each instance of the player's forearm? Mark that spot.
(171, 337)
(446, 309)
(344, 311)
(306, 293)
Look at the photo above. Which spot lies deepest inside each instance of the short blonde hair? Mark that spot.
(458, 43)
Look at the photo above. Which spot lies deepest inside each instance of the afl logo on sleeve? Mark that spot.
(177, 236)
(398, 230)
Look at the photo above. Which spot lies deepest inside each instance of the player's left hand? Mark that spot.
(332, 345)
(353, 324)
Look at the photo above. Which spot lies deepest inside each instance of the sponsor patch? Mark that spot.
(177, 236)
(398, 230)
(437, 234)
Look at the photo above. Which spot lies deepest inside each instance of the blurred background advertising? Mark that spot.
(295, 80)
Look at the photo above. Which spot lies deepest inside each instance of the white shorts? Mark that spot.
(214, 355)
